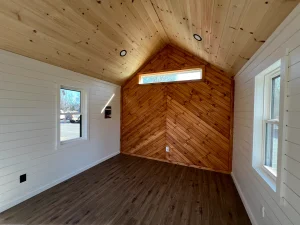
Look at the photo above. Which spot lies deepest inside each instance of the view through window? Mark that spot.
(70, 114)
(271, 138)
(171, 77)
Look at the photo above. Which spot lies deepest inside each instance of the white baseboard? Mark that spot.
(247, 207)
(44, 188)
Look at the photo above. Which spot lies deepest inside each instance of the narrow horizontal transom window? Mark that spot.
(174, 76)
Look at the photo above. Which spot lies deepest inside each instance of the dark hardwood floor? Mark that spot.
(131, 190)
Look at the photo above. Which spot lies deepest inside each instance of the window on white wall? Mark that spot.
(271, 125)
(72, 124)
(266, 137)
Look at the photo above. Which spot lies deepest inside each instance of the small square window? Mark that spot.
(70, 114)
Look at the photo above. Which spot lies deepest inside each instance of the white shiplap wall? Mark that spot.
(253, 190)
(28, 107)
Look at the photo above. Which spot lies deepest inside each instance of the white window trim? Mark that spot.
(85, 122)
(166, 73)
(266, 114)
(259, 125)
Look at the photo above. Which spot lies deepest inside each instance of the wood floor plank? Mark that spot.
(131, 190)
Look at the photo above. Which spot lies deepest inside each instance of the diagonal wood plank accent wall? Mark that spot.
(193, 118)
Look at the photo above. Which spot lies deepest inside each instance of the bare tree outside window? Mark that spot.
(70, 114)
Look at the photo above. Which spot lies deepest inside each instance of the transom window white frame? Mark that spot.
(262, 117)
(84, 118)
(174, 76)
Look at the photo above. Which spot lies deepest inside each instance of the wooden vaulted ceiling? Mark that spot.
(87, 36)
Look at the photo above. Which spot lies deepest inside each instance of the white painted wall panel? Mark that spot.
(28, 112)
(255, 191)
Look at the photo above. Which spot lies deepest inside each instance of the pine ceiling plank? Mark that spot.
(207, 15)
(185, 11)
(275, 15)
(34, 43)
(153, 16)
(218, 23)
(201, 25)
(131, 27)
(59, 25)
(174, 17)
(190, 16)
(128, 24)
(84, 31)
(233, 20)
(166, 15)
(248, 25)
(87, 36)
(121, 29)
(196, 20)
(62, 52)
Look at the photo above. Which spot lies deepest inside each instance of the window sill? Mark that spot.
(271, 172)
(71, 143)
(267, 178)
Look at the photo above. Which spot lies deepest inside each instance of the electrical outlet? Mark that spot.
(167, 149)
(22, 178)
(263, 211)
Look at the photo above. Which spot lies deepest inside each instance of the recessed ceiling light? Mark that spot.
(123, 53)
(197, 37)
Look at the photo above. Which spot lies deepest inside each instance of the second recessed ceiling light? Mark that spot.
(123, 53)
(197, 37)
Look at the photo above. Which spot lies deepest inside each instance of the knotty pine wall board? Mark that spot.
(193, 118)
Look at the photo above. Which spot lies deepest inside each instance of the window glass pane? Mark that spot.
(70, 118)
(275, 97)
(271, 146)
(193, 75)
(70, 128)
(70, 101)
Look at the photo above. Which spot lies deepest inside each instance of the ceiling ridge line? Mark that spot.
(160, 22)
(223, 31)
